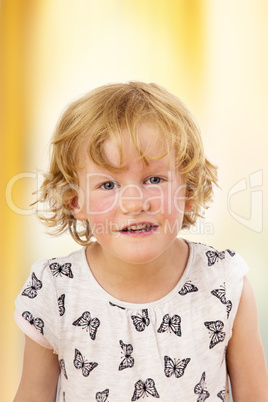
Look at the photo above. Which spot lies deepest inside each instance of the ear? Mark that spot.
(188, 205)
(76, 211)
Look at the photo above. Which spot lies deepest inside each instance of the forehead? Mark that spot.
(147, 143)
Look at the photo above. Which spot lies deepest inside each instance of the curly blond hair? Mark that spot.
(102, 114)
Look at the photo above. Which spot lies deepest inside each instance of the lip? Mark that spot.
(152, 228)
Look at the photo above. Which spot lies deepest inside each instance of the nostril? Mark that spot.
(131, 199)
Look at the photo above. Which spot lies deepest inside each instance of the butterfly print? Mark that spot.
(229, 306)
(176, 367)
(143, 389)
(102, 396)
(128, 360)
(31, 291)
(188, 287)
(63, 369)
(59, 270)
(199, 389)
(221, 295)
(90, 324)
(61, 304)
(231, 252)
(221, 395)
(82, 364)
(217, 335)
(115, 305)
(214, 256)
(141, 321)
(171, 324)
(38, 323)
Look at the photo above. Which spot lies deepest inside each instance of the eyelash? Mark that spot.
(102, 186)
(147, 181)
(161, 179)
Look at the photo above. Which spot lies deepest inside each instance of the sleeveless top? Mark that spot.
(172, 349)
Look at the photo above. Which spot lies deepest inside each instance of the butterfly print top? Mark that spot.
(115, 351)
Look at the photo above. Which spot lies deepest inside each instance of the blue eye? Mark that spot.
(155, 180)
(109, 185)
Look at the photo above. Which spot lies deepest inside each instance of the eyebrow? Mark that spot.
(154, 164)
(99, 175)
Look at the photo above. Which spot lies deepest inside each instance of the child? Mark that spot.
(137, 312)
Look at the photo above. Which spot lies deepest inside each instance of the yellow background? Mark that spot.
(211, 53)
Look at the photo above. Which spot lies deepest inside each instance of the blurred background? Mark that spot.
(211, 54)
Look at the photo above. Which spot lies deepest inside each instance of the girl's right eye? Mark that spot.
(108, 185)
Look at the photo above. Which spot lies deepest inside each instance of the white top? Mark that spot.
(171, 349)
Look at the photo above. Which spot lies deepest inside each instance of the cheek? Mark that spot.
(101, 215)
(179, 205)
(170, 202)
(173, 209)
(173, 214)
(179, 198)
(102, 204)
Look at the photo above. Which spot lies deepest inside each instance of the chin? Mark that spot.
(138, 258)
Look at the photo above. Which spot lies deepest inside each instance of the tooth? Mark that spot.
(140, 226)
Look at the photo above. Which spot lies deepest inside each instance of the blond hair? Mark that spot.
(102, 114)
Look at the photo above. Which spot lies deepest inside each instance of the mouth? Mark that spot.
(139, 228)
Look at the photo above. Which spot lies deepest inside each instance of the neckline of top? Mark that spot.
(141, 306)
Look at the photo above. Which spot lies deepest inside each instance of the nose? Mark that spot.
(132, 200)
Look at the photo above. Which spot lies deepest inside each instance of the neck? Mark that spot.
(138, 283)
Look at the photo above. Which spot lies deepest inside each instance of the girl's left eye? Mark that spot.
(154, 180)
(108, 185)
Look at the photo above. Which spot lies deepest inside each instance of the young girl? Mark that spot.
(137, 312)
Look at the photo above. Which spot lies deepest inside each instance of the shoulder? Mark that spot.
(58, 266)
(213, 259)
(219, 269)
(48, 276)
(40, 303)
